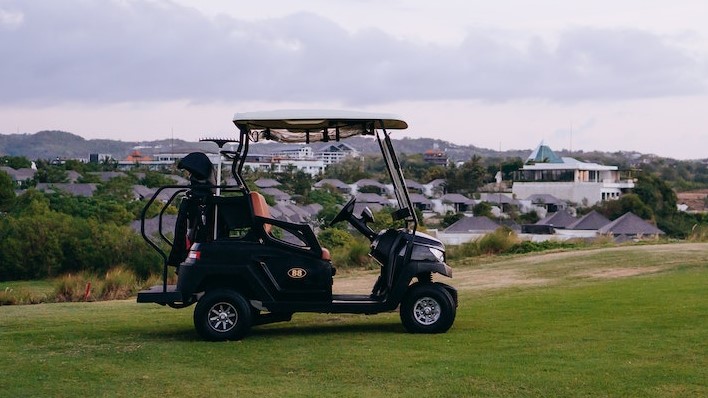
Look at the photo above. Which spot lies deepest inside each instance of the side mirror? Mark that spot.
(367, 216)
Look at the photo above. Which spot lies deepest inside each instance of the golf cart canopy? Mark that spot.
(305, 126)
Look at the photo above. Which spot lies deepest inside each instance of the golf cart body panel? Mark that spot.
(238, 262)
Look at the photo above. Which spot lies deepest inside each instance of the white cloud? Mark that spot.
(84, 51)
(11, 19)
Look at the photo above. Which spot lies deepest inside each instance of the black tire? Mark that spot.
(222, 314)
(427, 308)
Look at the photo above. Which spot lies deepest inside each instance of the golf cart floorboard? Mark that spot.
(157, 294)
(353, 298)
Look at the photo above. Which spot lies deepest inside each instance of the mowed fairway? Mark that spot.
(628, 321)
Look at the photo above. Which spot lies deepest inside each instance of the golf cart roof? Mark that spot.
(304, 126)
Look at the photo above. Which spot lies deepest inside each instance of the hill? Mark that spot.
(61, 144)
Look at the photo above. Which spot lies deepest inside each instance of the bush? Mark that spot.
(72, 287)
(498, 241)
(119, 283)
(353, 255)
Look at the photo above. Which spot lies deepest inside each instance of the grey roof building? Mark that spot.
(631, 225)
(86, 190)
(559, 219)
(590, 221)
(266, 183)
(334, 183)
(472, 225)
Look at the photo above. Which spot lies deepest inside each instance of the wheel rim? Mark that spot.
(223, 317)
(426, 311)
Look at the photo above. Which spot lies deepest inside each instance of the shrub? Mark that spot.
(354, 255)
(119, 283)
(72, 287)
(498, 241)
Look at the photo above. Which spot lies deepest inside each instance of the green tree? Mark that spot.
(613, 209)
(450, 218)
(154, 179)
(49, 173)
(467, 178)
(117, 188)
(482, 209)
(7, 192)
(15, 162)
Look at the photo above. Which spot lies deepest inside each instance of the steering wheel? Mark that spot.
(345, 213)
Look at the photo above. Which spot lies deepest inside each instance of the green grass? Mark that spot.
(639, 336)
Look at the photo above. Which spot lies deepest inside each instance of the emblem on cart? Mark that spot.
(297, 273)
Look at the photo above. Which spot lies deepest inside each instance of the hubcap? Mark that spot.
(426, 311)
(223, 317)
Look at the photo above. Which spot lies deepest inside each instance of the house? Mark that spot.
(338, 185)
(455, 202)
(19, 176)
(367, 185)
(266, 183)
(585, 227)
(421, 202)
(72, 176)
(568, 179)
(277, 194)
(467, 229)
(559, 219)
(590, 221)
(141, 192)
(105, 176)
(374, 202)
(435, 156)
(415, 187)
(504, 202)
(548, 202)
(335, 153)
(85, 190)
(630, 225)
(473, 225)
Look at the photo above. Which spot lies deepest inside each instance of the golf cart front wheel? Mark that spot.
(427, 308)
(222, 315)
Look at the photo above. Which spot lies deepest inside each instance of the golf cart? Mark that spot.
(242, 267)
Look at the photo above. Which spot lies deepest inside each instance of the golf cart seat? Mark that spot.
(260, 209)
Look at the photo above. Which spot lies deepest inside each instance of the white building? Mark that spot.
(568, 179)
(335, 153)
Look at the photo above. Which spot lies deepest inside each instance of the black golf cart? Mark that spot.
(242, 267)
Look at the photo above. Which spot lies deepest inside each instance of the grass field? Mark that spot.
(608, 322)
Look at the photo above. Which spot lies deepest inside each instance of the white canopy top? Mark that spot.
(296, 126)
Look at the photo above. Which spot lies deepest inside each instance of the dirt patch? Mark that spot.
(485, 279)
(620, 272)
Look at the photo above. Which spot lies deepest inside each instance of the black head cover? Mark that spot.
(198, 165)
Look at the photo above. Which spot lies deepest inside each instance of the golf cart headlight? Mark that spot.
(427, 253)
(439, 255)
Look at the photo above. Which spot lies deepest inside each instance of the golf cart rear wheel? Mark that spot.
(427, 308)
(222, 315)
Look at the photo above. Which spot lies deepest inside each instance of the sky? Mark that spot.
(608, 75)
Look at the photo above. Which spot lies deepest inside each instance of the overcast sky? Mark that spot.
(588, 75)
